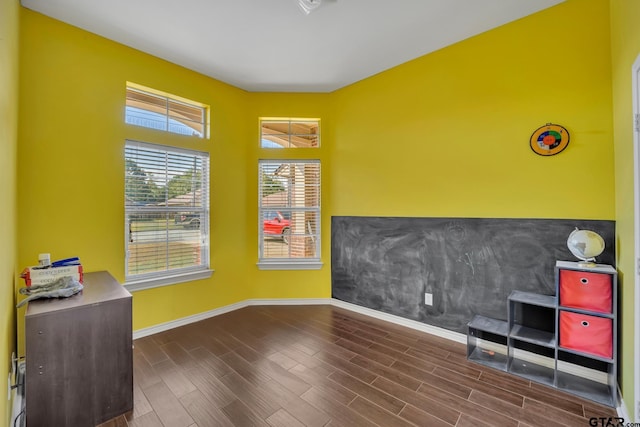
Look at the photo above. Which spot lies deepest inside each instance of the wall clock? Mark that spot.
(549, 139)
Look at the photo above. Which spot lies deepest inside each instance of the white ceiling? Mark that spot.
(271, 45)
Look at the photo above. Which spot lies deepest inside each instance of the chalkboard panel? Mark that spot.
(470, 265)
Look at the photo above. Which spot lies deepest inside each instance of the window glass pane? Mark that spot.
(305, 133)
(186, 115)
(165, 113)
(289, 133)
(166, 209)
(146, 101)
(274, 127)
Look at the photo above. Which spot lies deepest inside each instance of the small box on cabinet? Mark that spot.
(40, 276)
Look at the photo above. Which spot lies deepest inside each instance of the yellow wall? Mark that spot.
(73, 88)
(8, 147)
(625, 48)
(71, 177)
(291, 284)
(448, 134)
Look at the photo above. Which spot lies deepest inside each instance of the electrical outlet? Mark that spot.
(428, 298)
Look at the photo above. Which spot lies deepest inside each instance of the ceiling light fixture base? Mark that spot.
(309, 6)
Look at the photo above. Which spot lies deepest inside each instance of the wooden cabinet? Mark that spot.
(79, 363)
(568, 341)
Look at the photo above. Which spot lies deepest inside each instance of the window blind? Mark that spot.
(289, 209)
(166, 210)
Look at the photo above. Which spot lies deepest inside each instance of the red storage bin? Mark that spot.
(585, 333)
(586, 290)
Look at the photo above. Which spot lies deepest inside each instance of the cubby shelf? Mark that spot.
(532, 371)
(567, 343)
(548, 301)
(533, 336)
(487, 342)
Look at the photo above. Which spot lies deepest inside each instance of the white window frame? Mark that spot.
(289, 263)
(141, 281)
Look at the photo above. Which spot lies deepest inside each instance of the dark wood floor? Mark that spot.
(321, 365)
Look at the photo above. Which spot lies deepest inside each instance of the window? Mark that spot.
(289, 196)
(166, 213)
(290, 133)
(289, 214)
(157, 110)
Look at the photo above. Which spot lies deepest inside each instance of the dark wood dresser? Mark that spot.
(79, 362)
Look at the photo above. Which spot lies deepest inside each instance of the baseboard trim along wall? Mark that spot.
(161, 327)
(433, 330)
(391, 318)
(17, 394)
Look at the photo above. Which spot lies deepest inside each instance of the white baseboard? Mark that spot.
(17, 397)
(412, 324)
(392, 318)
(622, 409)
(139, 333)
(291, 301)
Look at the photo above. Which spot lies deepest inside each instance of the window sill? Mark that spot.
(156, 282)
(289, 265)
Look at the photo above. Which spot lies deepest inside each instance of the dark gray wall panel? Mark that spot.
(470, 265)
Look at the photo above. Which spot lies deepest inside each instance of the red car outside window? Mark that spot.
(274, 224)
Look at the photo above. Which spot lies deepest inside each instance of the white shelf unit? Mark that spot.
(542, 342)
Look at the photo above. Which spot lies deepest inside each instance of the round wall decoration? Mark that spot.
(549, 139)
